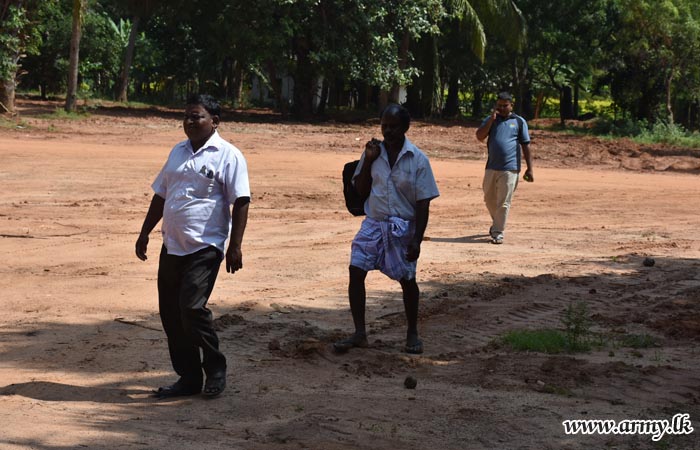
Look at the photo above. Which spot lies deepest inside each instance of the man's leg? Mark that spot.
(184, 354)
(358, 298)
(490, 200)
(411, 295)
(506, 183)
(198, 279)
(498, 196)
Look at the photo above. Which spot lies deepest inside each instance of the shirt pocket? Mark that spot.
(202, 186)
(404, 180)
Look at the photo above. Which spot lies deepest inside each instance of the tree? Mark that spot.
(461, 24)
(17, 39)
(652, 52)
(140, 10)
(564, 46)
(71, 94)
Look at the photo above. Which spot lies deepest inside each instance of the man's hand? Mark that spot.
(141, 247)
(528, 176)
(413, 251)
(494, 113)
(234, 259)
(372, 150)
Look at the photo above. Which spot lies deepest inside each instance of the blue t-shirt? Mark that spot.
(505, 137)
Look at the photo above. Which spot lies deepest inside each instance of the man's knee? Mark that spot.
(357, 274)
(409, 285)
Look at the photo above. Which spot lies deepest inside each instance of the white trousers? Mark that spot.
(499, 186)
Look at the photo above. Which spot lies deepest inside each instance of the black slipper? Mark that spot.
(214, 386)
(414, 349)
(346, 344)
(179, 389)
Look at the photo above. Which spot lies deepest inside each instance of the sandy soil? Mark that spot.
(81, 344)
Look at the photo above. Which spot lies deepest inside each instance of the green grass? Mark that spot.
(7, 122)
(63, 115)
(543, 341)
(638, 131)
(637, 341)
(567, 341)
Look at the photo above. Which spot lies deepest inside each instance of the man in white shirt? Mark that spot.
(398, 180)
(203, 176)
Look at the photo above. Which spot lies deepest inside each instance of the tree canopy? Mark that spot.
(439, 57)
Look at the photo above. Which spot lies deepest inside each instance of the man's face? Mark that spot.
(504, 108)
(199, 125)
(392, 128)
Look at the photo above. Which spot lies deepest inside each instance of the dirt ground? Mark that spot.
(81, 344)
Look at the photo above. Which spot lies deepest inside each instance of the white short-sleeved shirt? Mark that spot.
(395, 190)
(199, 189)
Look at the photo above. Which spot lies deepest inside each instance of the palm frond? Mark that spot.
(473, 28)
(504, 19)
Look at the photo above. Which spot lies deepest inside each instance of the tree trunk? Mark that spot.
(452, 103)
(276, 84)
(477, 100)
(539, 104)
(362, 95)
(128, 60)
(325, 89)
(302, 107)
(413, 100)
(403, 62)
(71, 95)
(566, 109)
(669, 102)
(7, 96)
(237, 83)
(430, 84)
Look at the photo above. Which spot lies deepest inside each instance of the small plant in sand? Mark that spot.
(575, 337)
(577, 327)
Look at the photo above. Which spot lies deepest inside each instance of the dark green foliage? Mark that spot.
(451, 55)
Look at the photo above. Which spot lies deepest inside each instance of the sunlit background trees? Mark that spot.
(633, 60)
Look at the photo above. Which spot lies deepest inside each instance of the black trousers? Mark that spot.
(184, 286)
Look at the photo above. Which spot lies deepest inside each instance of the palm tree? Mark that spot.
(78, 13)
(11, 18)
(466, 22)
(140, 9)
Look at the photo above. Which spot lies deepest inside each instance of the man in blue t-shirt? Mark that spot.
(507, 133)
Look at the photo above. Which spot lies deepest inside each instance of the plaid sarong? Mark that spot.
(382, 245)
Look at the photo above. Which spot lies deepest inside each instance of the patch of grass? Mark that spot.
(557, 390)
(638, 131)
(577, 325)
(638, 341)
(544, 341)
(6, 123)
(63, 115)
(575, 337)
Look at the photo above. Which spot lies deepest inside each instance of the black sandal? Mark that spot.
(180, 388)
(346, 344)
(214, 386)
(414, 349)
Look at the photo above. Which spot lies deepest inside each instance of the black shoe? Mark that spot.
(181, 388)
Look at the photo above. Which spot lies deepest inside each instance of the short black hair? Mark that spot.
(401, 112)
(505, 95)
(207, 101)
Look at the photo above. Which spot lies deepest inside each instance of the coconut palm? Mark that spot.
(79, 7)
(464, 25)
(140, 10)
